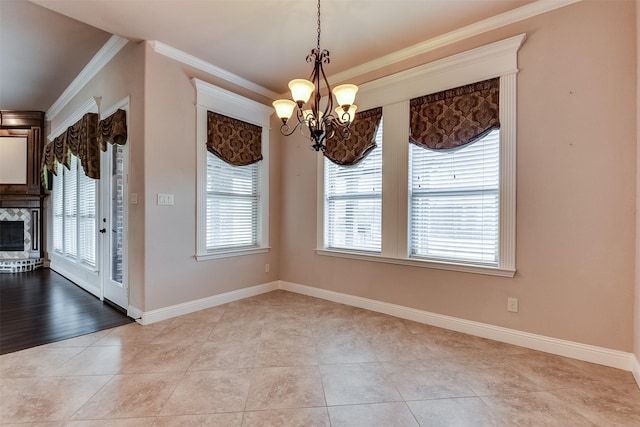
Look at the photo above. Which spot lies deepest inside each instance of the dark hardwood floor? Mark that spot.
(42, 307)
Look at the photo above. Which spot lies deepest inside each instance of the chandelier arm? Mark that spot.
(286, 130)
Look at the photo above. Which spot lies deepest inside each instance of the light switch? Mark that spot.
(165, 199)
(133, 198)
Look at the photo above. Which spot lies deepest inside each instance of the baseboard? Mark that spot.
(635, 369)
(134, 313)
(152, 316)
(585, 352)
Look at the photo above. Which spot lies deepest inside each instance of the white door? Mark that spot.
(113, 225)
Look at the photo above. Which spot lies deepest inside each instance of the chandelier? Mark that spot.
(316, 117)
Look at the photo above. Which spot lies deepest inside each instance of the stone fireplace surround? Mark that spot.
(30, 257)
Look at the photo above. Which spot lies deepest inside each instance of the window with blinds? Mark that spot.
(74, 207)
(353, 203)
(70, 183)
(58, 215)
(454, 202)
(233, 200)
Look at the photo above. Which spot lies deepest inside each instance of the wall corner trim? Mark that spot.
(153, 316)
(99, 60)
(585, 352)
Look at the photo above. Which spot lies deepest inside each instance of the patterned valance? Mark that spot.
(455, 117)
(113, 130)
(234, 141)
(84, 139)
(363, 133)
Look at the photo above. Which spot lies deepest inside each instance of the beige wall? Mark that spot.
(575, 193)
(636, 329)
(122, 77)
(172, 275)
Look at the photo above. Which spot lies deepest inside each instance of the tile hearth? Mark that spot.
(283, 359)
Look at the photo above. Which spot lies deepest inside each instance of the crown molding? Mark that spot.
(99, 60)
(520, 14)
(192, 61)
(91, 105)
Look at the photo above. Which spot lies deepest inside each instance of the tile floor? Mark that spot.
(282, 359)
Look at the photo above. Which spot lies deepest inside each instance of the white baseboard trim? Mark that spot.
(635, 369)
(152, 316)
(134, 312)
(585, 352)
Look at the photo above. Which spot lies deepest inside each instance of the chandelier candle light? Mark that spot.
(321, 122)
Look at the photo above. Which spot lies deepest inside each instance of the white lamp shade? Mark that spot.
(301, 90)
(284, 108)
(348, 116)
(345, 94)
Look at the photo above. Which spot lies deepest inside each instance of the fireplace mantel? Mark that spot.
(23, 199)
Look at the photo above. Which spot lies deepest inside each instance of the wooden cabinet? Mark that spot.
(21, 136)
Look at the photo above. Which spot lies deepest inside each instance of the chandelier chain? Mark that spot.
(318, 25)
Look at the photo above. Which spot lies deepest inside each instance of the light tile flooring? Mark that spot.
(282, 359)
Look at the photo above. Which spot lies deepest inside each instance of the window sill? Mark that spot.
(465, 268)
(231, 253)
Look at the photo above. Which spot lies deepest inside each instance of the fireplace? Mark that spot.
(11, 236)
(20, 231)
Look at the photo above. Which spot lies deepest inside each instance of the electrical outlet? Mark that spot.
(267, 268)
(512, 305)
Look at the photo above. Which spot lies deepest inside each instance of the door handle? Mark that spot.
(103, 230)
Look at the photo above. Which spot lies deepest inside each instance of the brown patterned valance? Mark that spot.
(455, 117)
(84, 139)
(113, 130)
(363, 133)
(234, 141)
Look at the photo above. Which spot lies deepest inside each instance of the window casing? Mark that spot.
(393, 93)
(232, 201)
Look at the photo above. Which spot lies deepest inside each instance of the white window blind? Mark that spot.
(232, 205)
(57, 202)
(87, 219)
(70, 177)
(454, 202)
(353, 203)
(74, 208)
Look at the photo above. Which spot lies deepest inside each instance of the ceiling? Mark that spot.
(44, 44)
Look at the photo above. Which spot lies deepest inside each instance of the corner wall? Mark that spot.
(575, 195)
(122, 77)
(172, 274)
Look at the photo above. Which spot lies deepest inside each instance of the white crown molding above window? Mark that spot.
(91, 105)
(123, 104)
(516, 15)
(99, 60)
(192, 61)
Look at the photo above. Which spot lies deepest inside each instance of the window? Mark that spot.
(455, 202)
(74, 214)
(451, 209)
(233, 201)
(353, 203)
(232, 205)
